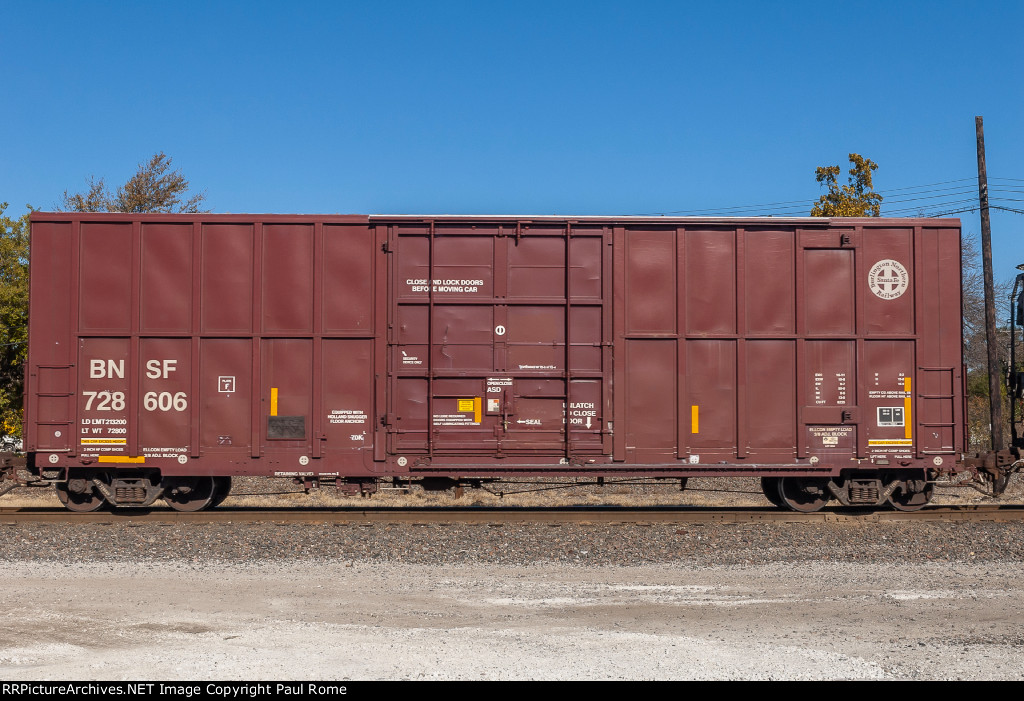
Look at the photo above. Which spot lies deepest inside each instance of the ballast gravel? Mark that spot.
(517, 544)
(512, 601)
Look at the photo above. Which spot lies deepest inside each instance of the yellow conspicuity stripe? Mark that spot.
(694, 419)
(121, 458)
(908, 426)
(273, 401)
(477, 408)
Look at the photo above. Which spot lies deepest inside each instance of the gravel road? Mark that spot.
(342, 602)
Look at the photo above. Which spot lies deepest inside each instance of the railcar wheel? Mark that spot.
(221, 488)
(903, 500)
(803, 494)
(79, 495)
(770, 487)
(189, 493)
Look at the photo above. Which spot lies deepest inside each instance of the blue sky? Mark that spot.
(520, 107)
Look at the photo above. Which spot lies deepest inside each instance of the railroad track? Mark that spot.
(506, 515)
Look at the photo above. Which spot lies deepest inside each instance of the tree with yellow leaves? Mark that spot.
(858, 199)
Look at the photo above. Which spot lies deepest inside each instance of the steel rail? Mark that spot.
(498, 516)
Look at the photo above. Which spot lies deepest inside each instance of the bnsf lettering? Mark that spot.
(100, 369)
(160, 369)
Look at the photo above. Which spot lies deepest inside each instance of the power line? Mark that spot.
(921, 190)
(928, 197)
(910, 193)
(934, 205)
(944, 182)
(935, 215)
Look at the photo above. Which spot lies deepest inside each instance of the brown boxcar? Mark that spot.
(166, 350)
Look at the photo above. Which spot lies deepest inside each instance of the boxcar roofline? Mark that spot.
(823, 222)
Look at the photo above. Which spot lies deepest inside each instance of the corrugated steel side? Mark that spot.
(789, 343)
(275, 344)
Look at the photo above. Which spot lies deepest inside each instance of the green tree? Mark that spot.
(857, 199)
(153, 188)
(13, 317)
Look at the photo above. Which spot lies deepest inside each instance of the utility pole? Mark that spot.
(995, 399)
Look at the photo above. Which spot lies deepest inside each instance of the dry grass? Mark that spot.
(528, 494)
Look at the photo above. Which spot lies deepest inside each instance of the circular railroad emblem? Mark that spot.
(888, 279)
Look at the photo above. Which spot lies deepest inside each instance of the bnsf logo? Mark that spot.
(155, 369)
(100, 369)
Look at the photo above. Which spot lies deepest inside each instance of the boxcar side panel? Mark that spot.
(50, 373)
(351, 346)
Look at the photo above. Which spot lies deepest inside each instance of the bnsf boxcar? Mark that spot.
(168, 353)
